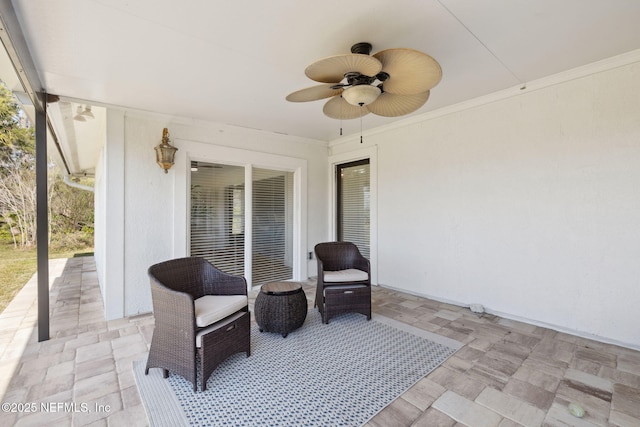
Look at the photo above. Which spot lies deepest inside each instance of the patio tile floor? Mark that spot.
(508, 374)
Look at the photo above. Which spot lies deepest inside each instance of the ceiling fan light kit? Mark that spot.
(361, 94)
(390, 83)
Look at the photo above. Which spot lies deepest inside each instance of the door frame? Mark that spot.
(339, 195)
(211, 153)
(370, 153)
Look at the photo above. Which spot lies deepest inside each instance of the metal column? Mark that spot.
(42, 221)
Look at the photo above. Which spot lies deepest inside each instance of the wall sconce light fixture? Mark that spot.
(165, 152)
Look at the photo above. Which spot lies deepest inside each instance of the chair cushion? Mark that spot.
(211, 308)
(349, 275)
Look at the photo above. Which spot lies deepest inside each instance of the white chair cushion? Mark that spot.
(211, 308)
(349, 275)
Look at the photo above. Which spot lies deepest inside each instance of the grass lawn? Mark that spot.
(17, 266)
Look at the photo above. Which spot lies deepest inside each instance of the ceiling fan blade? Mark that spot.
(338, 108)
(313, 93)
(392, 105)
(410, 71)
(333, 68)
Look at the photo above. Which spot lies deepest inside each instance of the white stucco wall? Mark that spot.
(528, 205)
(153, 201)
(109, 214)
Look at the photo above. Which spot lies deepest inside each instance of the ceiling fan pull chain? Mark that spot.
(341, 116)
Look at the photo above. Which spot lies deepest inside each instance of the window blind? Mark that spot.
(272, 230)
(354, 193)
(217, 216)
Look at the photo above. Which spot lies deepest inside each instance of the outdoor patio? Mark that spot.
(507, 374)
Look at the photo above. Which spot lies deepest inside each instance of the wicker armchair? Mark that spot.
(344, 280)
(197, 309)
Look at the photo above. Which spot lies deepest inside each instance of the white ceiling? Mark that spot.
(233, 62)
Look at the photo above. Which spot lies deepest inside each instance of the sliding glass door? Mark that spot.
(272, 226)
(354, 204)
(221, 210)
(217, 215)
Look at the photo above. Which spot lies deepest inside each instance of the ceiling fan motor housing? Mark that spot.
(363, 48)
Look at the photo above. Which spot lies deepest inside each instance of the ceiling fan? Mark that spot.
(390, 83)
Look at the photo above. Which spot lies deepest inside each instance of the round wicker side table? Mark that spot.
(280, 307)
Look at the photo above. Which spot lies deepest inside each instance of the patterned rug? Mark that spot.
(340, 374)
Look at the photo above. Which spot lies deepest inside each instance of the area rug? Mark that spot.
(340, 374)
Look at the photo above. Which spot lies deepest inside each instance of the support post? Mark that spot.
(42, 221)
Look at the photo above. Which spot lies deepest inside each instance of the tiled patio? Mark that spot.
(507, 374)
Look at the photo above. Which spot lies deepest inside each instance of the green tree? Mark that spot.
(17, 138)
(70, 209)
(17, 174)
(71, 215)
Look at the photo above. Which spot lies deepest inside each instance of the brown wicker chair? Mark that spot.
(214, 327)
(344, 280)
